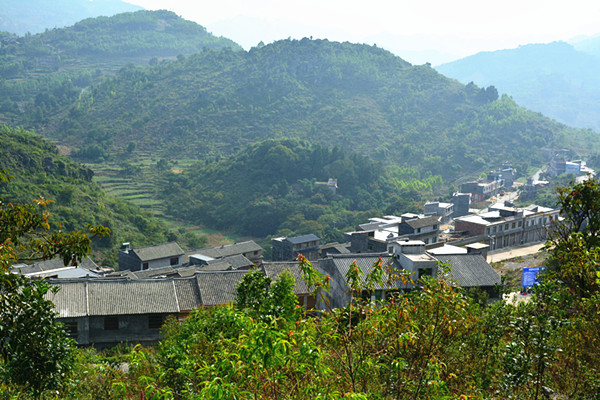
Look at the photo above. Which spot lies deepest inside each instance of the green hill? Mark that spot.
(44, 73)
(39, 170)
(360, 98)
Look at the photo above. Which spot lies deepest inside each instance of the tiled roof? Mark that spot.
(230, 249)
(218, 287)
(274, 269)
(423, 222)
(158, 251)
(303, 239)
(56, 263)
(118, 297)
(365, 263)
(70, 300)
(188, 295)
(153, 272)
(470, 270)
(235, 262)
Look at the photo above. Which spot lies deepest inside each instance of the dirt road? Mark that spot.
(500, 255)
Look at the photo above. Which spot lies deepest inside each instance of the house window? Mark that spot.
(506, 227)
(155, 321)
(144, 265)
(390, 250)
(435, 227)
(71, 328)
(520, 223)
(434, 240)
(513, 225)
(418, 230)
(111, 323)
(426, 241)
(494, 229)
(174, 260)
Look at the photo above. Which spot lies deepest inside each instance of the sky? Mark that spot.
(420, 31)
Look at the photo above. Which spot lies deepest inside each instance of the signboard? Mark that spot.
(530, 276)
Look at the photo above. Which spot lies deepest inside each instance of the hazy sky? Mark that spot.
(421, 30)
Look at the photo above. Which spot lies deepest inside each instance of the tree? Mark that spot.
(574, 241)
(35, 353)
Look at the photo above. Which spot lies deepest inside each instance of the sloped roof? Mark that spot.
(119, 297)
(365, 262)
(218, 287)
(158, 251)
(187, 293)
(423, 222)
(274, 269)
(70, 300)
(470, 270)
(57, 263)
(153, 272)
(235, 262)
(230, 249)
(303, 239)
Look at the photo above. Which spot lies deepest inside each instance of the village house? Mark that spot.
(504, 226)
(443, 210)
(409, 258)
(287, 249)
(376, 235)
(150, 257)
(274, 269)
(248, 249)
(480, 190)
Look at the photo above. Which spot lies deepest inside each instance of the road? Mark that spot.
(507, 254)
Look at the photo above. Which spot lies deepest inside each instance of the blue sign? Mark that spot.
(530, 276)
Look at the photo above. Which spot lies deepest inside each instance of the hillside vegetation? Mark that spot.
(357, 97)
(38, 170)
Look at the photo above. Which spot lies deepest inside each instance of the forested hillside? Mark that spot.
(38, 170)
(41, 75)
(360, 98)
(556, 79)
(279, 186)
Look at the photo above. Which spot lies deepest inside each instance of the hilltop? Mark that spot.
(557, 79)
(34, 16)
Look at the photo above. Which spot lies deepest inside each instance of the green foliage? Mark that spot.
(265, 299)
(39, 170)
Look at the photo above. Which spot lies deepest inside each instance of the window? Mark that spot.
(174, 260)
(155, 321)
(418, 230)
(434, 240)
(520, 223)
(513, 225)
(487, 231)
(494, 229)
(390, 250)
(144, 265)
(426, 241)
(111, 323)
(506, 227)
(71, 328)
(435, 227)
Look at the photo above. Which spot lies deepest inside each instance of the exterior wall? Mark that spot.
(473, 229)
(132, 328)
(461, 204)
(129, 261)
(284, 250)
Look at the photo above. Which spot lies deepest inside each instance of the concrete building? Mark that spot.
(443, 210)
(287, 249)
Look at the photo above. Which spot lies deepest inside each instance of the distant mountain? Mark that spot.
(588, 44)
(34, 16)
(360, 98)
(556, 79)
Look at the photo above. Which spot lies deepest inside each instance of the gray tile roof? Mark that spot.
(119, 297)
(158, 251)
(57, 263)
(230, 249)
(303, 239)
(153, 272)
(274, 269)
(70, 300)
(218, 287)
(188, 294)
(365, 263)
(236, 261)
(470, 270)
(423, 222)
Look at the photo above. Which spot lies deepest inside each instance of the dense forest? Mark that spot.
(359, 98)
(38, 170)
(278, 186)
